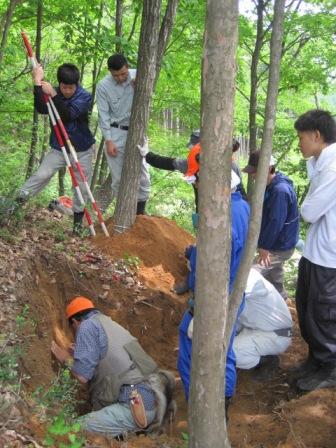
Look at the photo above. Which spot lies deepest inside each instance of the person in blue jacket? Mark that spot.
(73, 104)
(240, 212)
(279, 231)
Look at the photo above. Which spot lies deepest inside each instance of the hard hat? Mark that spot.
(77, 305)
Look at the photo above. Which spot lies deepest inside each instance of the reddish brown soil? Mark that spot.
(263, 415)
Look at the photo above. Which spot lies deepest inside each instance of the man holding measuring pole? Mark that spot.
(73, 104)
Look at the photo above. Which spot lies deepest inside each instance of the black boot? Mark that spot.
(322, 378)
(141, 205)
(266, 368)
(78, 223)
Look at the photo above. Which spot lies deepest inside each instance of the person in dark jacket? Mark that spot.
(73, 104)
(279, 230)
(240, 212)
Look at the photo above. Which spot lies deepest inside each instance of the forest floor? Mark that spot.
(129, 277)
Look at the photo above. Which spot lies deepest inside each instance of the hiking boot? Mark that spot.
(266, 368)
(323, 378)
(78, 224)
(308, 367)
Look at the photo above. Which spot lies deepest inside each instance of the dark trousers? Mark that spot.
(316, 309)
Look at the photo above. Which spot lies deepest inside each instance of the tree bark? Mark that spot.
(97, 164)
(263, 166)
(146, 72)
(95, 70)
(254, 83)
(35, 126)
(61, 175)
(5, 25)
(206, 407)
(118, 24)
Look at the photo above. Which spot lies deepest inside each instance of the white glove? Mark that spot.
(144, 149)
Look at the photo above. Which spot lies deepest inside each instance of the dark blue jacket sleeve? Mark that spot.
(274, 219)
(39, 103)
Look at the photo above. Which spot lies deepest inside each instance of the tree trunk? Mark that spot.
(206, 407)
(254, 84)
(35, 127)
(263, 166)
(45, 136)
(97, 164)
(95, 71)
(118, 24)
(61, 175)
(147, 59)
(5, 25)
(84, 49)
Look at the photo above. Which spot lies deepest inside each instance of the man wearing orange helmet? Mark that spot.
(128, 392)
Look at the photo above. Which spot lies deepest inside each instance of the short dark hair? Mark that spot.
(235, 145)
(68, 74)
(318, 120)
(116, 62)
(79, 316)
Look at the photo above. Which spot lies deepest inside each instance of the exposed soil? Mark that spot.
(45, 274)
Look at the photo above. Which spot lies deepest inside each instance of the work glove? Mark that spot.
(144, 149)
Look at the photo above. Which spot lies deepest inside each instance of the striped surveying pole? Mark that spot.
(59, 129)
(68, 164)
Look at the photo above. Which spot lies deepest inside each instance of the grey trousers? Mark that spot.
(112, 421)
(274, 272)
(51, 163)
(116, 163)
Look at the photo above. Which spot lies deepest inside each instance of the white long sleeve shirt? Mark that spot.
(319, 209)
(265, 309)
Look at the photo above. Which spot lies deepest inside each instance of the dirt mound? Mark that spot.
(159, 244)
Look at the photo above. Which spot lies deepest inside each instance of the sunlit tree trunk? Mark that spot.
(263, 166)
(207, 402)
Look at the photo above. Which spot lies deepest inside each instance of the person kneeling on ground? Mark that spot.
(264, 327)
(127, 390)
(239, 226)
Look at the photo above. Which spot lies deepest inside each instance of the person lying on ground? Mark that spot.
(127, 390)
(240, 212)
(73, 104)
(264, 327)
(189, 166)
(279, 231)
(316, 284)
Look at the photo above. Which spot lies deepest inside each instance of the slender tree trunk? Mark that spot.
(118, 24)
(207, 402)
(35, 127)
(147, 59)
(84, 49)
(45, 136)
(5, 25)
(97, 164)
(95, 71)
(61, 175)
(254, 84)
(263, 166)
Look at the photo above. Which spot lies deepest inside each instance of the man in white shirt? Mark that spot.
(316, 285)
(264, 326)
(114, 101)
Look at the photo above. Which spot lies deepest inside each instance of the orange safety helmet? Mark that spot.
(193, 160)
(77, 305)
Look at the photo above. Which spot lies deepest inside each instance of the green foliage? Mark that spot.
(61, 430)
(132, 261)
(61, 394)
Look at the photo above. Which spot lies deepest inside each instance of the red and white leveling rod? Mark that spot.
(58, 129)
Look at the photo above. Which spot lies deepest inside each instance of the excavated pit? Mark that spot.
(265, 414)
